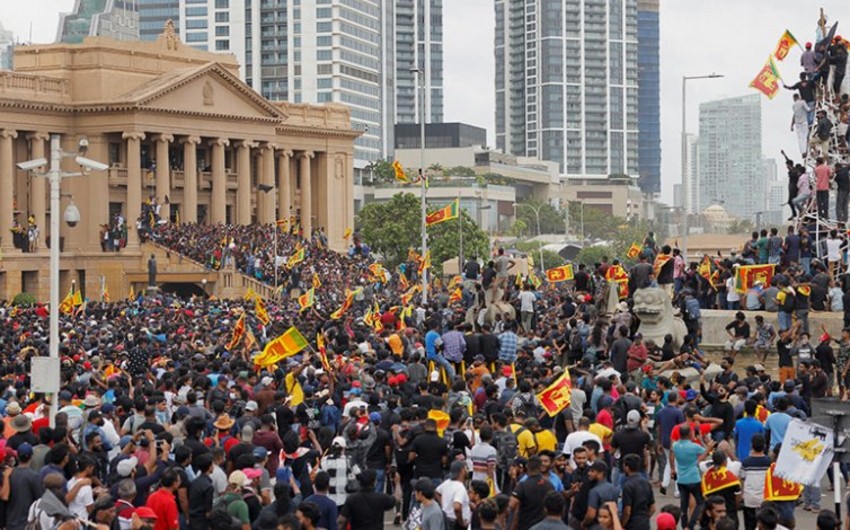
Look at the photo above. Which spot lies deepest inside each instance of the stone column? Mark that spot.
(7, 187)
(190, 179)
(38, 185)
(267, 205)
(134, 186)
(163, 174)
(243, 174)
(218, 195)
(284, 201)
(306, 193)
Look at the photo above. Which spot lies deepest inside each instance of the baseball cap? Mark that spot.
(237, 478)
(252, 406)
(633, 418)
(339, 441)
(665, 521)
(25, 449)
(125, 467)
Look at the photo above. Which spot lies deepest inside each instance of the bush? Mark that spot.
(24, 299)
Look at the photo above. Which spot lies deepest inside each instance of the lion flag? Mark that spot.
(634, 251)
(306, 300)
(784, 45)
(717, 479)
(446, 213)
(748, 275)
(560, 274)
(767, 80)
(238, 333)
(557, 396)
(287, 345)
(400, 175)
(260, 310)
(779, 489)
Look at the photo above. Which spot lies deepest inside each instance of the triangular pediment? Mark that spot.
(210, 90)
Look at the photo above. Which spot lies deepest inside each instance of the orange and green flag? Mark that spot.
(306, 300)
(768, 79)
(560, 274)
(238, 333)
(446, 213)
(425, 262)
(296, 258)
(316, 281)
(747, 276)
(786, 42)
(260, 310)
(286, 345)
(400, 175)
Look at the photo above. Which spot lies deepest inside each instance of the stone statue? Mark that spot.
(152, 271)
(208, 93)
(655, 311)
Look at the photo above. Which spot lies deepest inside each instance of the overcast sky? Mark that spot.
(731, 37)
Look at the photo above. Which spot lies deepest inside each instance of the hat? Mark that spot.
(125, 467)
(260, 453)
(824, 337)
(107, 408)
(252, 406)
(94, 415)
(808, 46)
(267, 381)
(25, 449)
(435, 376)
(665, 521)
(691, 394)
(125, 441)
(146, 513)
(375, 417)
(92, 401)
(633, 418)
(65, 396)
(338, 441)
(224, 422)
(13, 408)
(758, 367)
(252, 473)
(237, 478)
(478, 358)
(507, 371)
(622, 307)
(21, 423)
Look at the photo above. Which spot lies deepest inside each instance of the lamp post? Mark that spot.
(539, 243)
(685, 191)
(420, 82)
(72, 217)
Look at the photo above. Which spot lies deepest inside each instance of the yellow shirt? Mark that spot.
(546, 440)
(396, 345)
(525, 444)
(293, 388)
(600, 430)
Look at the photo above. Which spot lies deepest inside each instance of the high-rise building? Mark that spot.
(356, 52)
(7, 43)
(567, 83)
(649, 100)
(731, 167)
(693, 174)
(118, 19)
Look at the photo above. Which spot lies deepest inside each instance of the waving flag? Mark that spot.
(617, 274)
(708, 270)
(346, 304)
(557, 396)
(400, 175)
(560, 274)
(786, 42)
(767, 80)
(130, 296)
(260, 310)
(660, 261)
(316, 281)
(286, 345)
(306, 300)
(250, 294)
(425, 262)
(403, 284)
(779, 489)
(446, 213)
(296, 258)
(347, 233)
(238, 333)
(455, 281)
(323, 352)
(716, 479)
(456, 296)
(747, 275)
(634, 251)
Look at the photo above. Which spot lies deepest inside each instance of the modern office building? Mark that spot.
(649, 100)
(567, 84)
(439, 135)
(118, 19)
(153, 14)
(7, 43)
(731, 167)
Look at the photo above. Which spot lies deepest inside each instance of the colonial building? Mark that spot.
(173, 123)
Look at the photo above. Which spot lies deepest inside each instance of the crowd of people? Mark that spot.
(426, 418)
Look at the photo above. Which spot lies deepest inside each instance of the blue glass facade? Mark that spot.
(649, 104)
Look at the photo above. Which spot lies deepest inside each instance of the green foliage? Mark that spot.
(382, 170)
(518, 228)
(24, 299)
(459, 171)
(551, 259)
(593, 254)
(551, 220)
(392, 228)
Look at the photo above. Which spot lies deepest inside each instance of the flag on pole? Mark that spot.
(260, 310)
(456, 296)
(425, 261)
(346, 304)
(557, 396)
(446, 213)
(67, 304)
(296, 258)
(455, 281)
(347, 233)
(786, 41)
(560, 274)
(767, 80)
(250, 294)
(316, 281)
(747, 275)
(400, 175)
(306, 300)
(634, 251)
(403, 284)
(377, 271)
(286, 345)
(323, 352)
(238, 333)
(104, 290)
(132, 294)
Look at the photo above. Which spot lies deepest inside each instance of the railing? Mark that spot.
(117, 176)
(18, 82)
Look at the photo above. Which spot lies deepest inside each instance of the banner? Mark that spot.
(557, 396)
(806, 453)
(767, 80)
(786, 42)
(446, 213)
(748, 275)
(560, 274)
(287, 345)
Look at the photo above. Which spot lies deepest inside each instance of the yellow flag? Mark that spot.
(316, 281)
(260, 310)
(67, 304)
(132, 294)
(250, 294)
(286, 345)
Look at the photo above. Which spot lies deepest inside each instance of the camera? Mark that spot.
(72, 215)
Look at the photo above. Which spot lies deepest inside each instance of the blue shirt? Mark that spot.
(745, 429)
(687, 453)
(777, 424)
(667, 418)
(554, 479)
(507, 347)
(327, 510)
(431, 339)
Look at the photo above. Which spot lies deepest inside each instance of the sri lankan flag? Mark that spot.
(660, 261)
(377, 271)
(767, 80)
(403, 284)
(346, 304)
(717, 479)
(69, 303)
(455, 281)
(456, 296)
(786, 42)
(408, 296)
(535, 281)
(316, 281)
(287, 345)
(306, 300)
(347, 233)
(323, 351)
(747, 275)
(260, 310)
(296, 258)
(250, 294)
(779, 489)
(560, 274)
(634, 251)
(282, 224)
(425, 262)
(238, 333)
(557, 396)
(400, 175)
(708, 270)
(130, 296)
(617, 274)
(446, 213)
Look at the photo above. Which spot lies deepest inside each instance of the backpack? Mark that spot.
(506, 446)
(35, 522)
(524, 403)
(575, 340)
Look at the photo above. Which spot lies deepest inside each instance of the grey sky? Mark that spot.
(732, 37)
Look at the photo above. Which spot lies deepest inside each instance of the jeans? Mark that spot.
(526, 319)
(841, 204)
(773, 260)
(442, 361)
(811, 496)
(380, 480)
(678, 283)
(823, 203)
(800, 202)
(803, 317)
(806, 263)
(810, 115)
(685, 492)
(784, 320)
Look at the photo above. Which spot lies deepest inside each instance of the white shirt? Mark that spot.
(576, 439)
(833, 252)
(800, 109)
(85, 497)
(731, 294)
(526, 301)
(452, 491)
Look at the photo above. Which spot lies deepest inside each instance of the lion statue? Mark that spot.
(655, 311)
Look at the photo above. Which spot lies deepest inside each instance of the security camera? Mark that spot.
(31, 165)
(83, 145)
(72, 215)
(91, 164)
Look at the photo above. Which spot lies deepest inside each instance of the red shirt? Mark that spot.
(704, 430)
(822, 174)
(162, 502)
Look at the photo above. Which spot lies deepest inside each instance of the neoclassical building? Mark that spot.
(173, 123)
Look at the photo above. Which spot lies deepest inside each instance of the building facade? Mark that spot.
(731, 167)
(118, 19)
(172, 123)
(649, 96)
(567, 83)
(7, 44)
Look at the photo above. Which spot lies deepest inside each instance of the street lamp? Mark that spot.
(54, 175)
(539, 243)
(420, 82)
(685, 191)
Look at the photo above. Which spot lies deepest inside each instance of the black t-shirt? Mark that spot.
(637, 493)
(487, 277)
(806, 89)
(376, 456)
(783, 349)
(582, 280)
(842, 177)
(818, 297)
(742, 331)
(471, 269)
(473, 346)
(531, 492)
(201, 494)
(826, 356)
(630, 441)
(430, 450)
(489, 346)
(365, 509)
(619, 354)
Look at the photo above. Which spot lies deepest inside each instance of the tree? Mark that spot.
(392, 228)
(551, 220)
(459, 171)
(518, 228)
(740, 226)
(382, 170)
(593, 254)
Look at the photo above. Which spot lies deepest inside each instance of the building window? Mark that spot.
(324, 55)
(222, 45)
(324, 12)
(196, 11)
(222, 4)
(222, 31)
(196, 37)
(222, 16)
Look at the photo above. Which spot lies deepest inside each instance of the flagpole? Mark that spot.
(421, 82)
(275, 259)
(460, 235)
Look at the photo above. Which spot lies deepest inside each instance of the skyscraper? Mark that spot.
(731, 167)
(153, 14)
(7, 42)
(118, 19)
(567, 83)
(649, 101)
